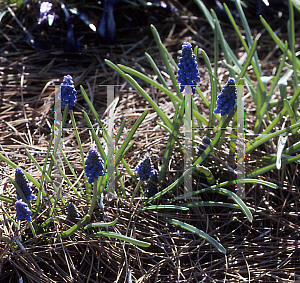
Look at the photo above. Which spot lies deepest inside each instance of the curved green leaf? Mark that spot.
(123, 238)
(101, 224)
(198, 232)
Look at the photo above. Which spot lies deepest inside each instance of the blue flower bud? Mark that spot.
(145, 169)
(93, 166)
(188, 73)
(23, 184)
(72, 210)
(227, 98)
(68, 92)
(23, 211)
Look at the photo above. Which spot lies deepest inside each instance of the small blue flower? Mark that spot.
(227, 98)
(68, 92)
(72, 210)
(188, 73)
(151, 187)
(24, 185)
(23, 211)
(145, 169)
(93, 166)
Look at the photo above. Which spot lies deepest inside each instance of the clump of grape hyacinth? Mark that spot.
(93, 166)
(23, 211)
(72, 210)
(227, 98)
(188, 73)
(145, 169)
(23, 184)
(68, 92)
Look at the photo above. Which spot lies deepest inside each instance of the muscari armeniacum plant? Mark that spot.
(224, 105)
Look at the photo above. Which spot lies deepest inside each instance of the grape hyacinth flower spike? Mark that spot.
(188, 73)
(144, 170)
(68, 92)
(227, 98)
(23, 211)
(93, 166)
(23, 184)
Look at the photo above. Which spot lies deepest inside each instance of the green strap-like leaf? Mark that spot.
(198, 232)
(166, 206)
(121, 237)
(101, 224)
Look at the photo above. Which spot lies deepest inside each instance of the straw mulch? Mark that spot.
(263, 251)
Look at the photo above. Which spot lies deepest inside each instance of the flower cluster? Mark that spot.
(23, 211)
(72, 210)
(227, 98)
(23, 184)
(145, 169)
(188, 73)
(151, 187)
(68, 92)
(93, 166)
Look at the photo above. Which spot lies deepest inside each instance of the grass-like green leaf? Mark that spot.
(122, 238)
(198, 232)
(166, 206)
(212, 203)
(101, 224)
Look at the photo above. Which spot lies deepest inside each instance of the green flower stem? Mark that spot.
(94, 198)
(135, 191)
(32, 229)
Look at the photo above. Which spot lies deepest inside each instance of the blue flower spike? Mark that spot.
(188, 73)
(68, 92)
(23, 184)
(227, 98)
(23, 211)
(145, 169)
(93, 165)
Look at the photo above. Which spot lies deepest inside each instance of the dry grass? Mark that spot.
(266, 250)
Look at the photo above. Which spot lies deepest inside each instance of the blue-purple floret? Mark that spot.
(93, 166)
(68, 92)
(227, 98)
(23, 211)
(24, 185)
(145, 169)
(188, 73)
